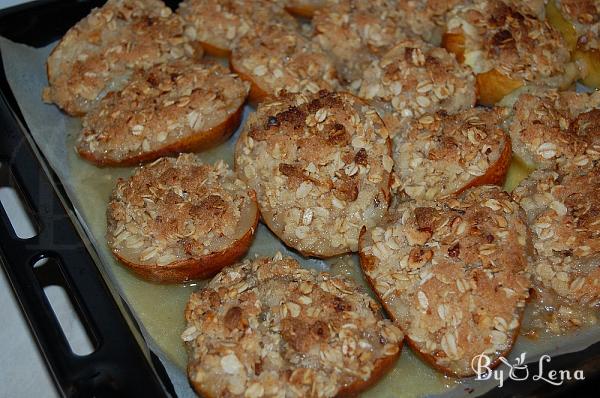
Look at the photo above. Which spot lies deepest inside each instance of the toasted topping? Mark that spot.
(427, 17)
(355, 31)
(275, 58)
(564, 217)
(321, 168)
(552, 129)
(166, 105)
(414, 79)
(100, 52)
(177, 209)
(451, 273)
(511, 41)
(219, 24)
(443, 154)
(270, 328)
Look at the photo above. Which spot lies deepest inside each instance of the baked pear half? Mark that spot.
(452, 275)
(178, 219)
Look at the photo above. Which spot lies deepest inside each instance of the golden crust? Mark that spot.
(553, 129)
(414, 79)
(443, 154)
(321, 168)
(175, 107)
(268, 327)
(274, 59)
(178, 219)
(219, 24)
(101, 52)
(563, 210)
(354, 32)
(508, 47)
(451, 273)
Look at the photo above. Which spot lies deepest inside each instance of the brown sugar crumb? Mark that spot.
(219, 24)
(427, 17)
(509, 40)
(178, 209)
(553, 129)
(101, 52)
(276, 59)
(453, 291)
(171, 107)
(320, 165)
(414, 79)
(563, 209)
(267, 327)
(442, 154)
(355, 32)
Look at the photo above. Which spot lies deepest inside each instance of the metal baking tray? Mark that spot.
(121, 363)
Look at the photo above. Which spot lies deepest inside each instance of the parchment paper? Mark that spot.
(52, 131)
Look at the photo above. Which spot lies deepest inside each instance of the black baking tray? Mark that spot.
(121, 364)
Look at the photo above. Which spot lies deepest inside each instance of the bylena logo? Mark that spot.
(519, 370)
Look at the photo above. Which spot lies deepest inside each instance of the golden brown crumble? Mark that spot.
(452, 275)
(441, 154)
(176, 209)
(267, 327)
(563, 209)
(321, 167)
(101, 52)
(168, 104)
(413, 79)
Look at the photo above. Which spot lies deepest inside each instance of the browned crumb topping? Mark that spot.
(440, 154)
(510, 40)
(162, 106)
(415, 78)
(321, 168)
(270, 328)
(564, 215)
(177, 209)
(452, 275)
(100, 52)
(278, 59)
(556, 129)
(355, 31)
(221, 23)
(427, 17)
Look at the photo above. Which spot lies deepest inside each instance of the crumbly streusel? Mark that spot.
(176, 209)
(510, 40)
(219, 24)
(553, 129)
(278, 59)
(442, 154)
(267, 327)
(100, 52)
(564, 216)
(452, 275)
(168, 104)
(320, 166)
(356, 31)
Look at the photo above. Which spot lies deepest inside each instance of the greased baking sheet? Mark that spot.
(159, 308)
